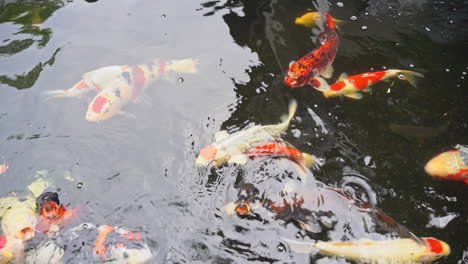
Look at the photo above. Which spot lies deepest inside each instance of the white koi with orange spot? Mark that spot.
(232, 148)
(404, 250)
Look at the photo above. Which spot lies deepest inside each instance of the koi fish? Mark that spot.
(52, 215)
(283, 149)
(450, 165)
(19, 215)
(353, 86)
(119, 251)
(318, 62)
(232, 148)
(404, 250)
(313, 19)
(118, 85)
(3, 168)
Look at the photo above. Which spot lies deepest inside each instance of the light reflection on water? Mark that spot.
(139, 173)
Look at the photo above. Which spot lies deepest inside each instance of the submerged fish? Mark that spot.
(353, 86)
(281, 148)
(418, 132)
(313, 19)
(450, 165)
(118, 85)
(403, 250)
(232, 147)
(318, 62)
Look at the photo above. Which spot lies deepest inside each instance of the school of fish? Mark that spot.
(40, 214)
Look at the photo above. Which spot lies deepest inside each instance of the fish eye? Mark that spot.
(401, 76)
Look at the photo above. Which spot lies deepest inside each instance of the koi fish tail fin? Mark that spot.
(301, 247)
(183, 66)
(410, 76)
(291, 111)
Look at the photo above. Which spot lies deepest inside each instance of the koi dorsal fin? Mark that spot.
(342, 76)
(221, 135)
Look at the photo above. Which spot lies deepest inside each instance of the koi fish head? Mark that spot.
(104, 106)
(437, 249)
(446, 165)
(310, 19)
(247, 195)
(210, 155)
(297, 76)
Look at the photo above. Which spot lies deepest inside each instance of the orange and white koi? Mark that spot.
(232, 148)
(119, 85)
(318, 62)
(353, 86)
(283, 149)
(313, 19)
(120, 251)
(404, 250)
(450, 165)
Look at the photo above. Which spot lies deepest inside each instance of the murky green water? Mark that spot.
(138, 172)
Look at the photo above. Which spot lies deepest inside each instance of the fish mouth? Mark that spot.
(243, 208)
(26, 233)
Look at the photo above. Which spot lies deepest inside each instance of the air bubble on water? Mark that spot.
(85, 226)
(427, 29)
(79, 185)
(340, 4)
(315, 105)
(464, 73)
(353, 17)
(364, 27)
(397, 44)
(451, 21)
(411, 65)
(163, 15)
(366, 13)
(181, 80)
(463, 77)
(447, 70)
(401, 76)
(281, 247)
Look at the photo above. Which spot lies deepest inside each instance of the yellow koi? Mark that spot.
(313, 19)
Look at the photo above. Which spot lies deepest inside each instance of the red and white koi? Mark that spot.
(283, 149)
(3, 168)
(119, 85)
(353, 86)
(232, 148)
(318, 62)
(450, 165)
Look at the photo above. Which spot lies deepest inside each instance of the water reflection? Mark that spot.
(27, 17)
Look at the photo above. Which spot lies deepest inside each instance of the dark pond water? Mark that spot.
(137, 171)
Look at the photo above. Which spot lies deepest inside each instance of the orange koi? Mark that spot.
(450, 165)
(318, 62)
(51, 213)
(353, 86)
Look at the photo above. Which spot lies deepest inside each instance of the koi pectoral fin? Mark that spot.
(327, 74)
(356, 96)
